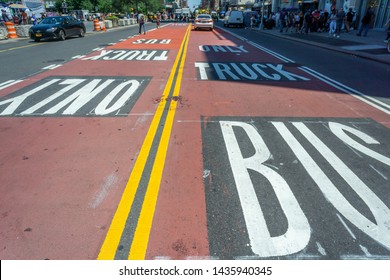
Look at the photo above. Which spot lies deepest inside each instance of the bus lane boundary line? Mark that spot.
(118, 223)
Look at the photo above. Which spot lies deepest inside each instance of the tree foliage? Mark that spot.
(114, 6)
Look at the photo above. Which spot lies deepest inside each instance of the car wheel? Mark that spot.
(61, 35)
(82, 33)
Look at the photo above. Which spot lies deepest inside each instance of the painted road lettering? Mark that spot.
(277, 166)
(297, 234)
(78, 96)
(152, 41)
(245, 71)
(224, 49)
(380, 230)
(143, 55)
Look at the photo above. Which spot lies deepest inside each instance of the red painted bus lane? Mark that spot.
(67, 161)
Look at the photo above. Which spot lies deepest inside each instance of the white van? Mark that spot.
(234, 18)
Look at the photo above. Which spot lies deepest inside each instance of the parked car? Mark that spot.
(203, 21)
(58, 27)
(235, 18)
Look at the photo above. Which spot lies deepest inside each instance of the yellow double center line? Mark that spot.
(141, 235)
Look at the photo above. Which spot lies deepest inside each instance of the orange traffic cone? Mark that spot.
(104, 26)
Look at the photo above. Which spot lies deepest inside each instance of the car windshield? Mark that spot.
(51, 20)
(204, 17)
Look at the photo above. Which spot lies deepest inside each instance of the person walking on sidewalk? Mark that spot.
(4, 16)
(366, 22)
(340, 17)
(307, 22)
(141, 23)
(332, 25)
(253, 22)
(349, 20)
(290, 21)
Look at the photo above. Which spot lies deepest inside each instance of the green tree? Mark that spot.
(105, 6)
(87, 5)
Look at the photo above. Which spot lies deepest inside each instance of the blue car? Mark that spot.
(58, 27)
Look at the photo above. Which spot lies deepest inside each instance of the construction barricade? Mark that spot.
(11, 30)
(96, 25)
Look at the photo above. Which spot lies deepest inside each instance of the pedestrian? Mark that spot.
(340, 17)
(366, 22)
(277, 18)
(307, 22)
(33, 19)
(297, 22)
(301, 20)
(253, 22)
(4, 16)
(158, 21)
(282, 19)
(315, 21)
(290, 21)
(24, 17)
(349, 19)
(141, 23)
(332, 23)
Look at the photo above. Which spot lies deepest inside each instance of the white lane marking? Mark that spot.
(365, 98)
(365, 250)
(51, 67)
(9, 83)
(357, 94)
(345, 225)
(78, 56)
(320, 249)
(380, 173)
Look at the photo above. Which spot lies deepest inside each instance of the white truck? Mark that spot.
(186, 12)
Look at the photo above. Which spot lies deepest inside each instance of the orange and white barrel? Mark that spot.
(96, 25)
(11, 30)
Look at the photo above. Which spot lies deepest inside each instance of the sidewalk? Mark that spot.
(370, 47)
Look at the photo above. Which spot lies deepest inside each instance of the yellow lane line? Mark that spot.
(21, 47)
(111, 242)
(142, 232)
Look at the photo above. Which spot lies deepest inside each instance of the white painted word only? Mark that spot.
(223, 49)
(80, 96)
